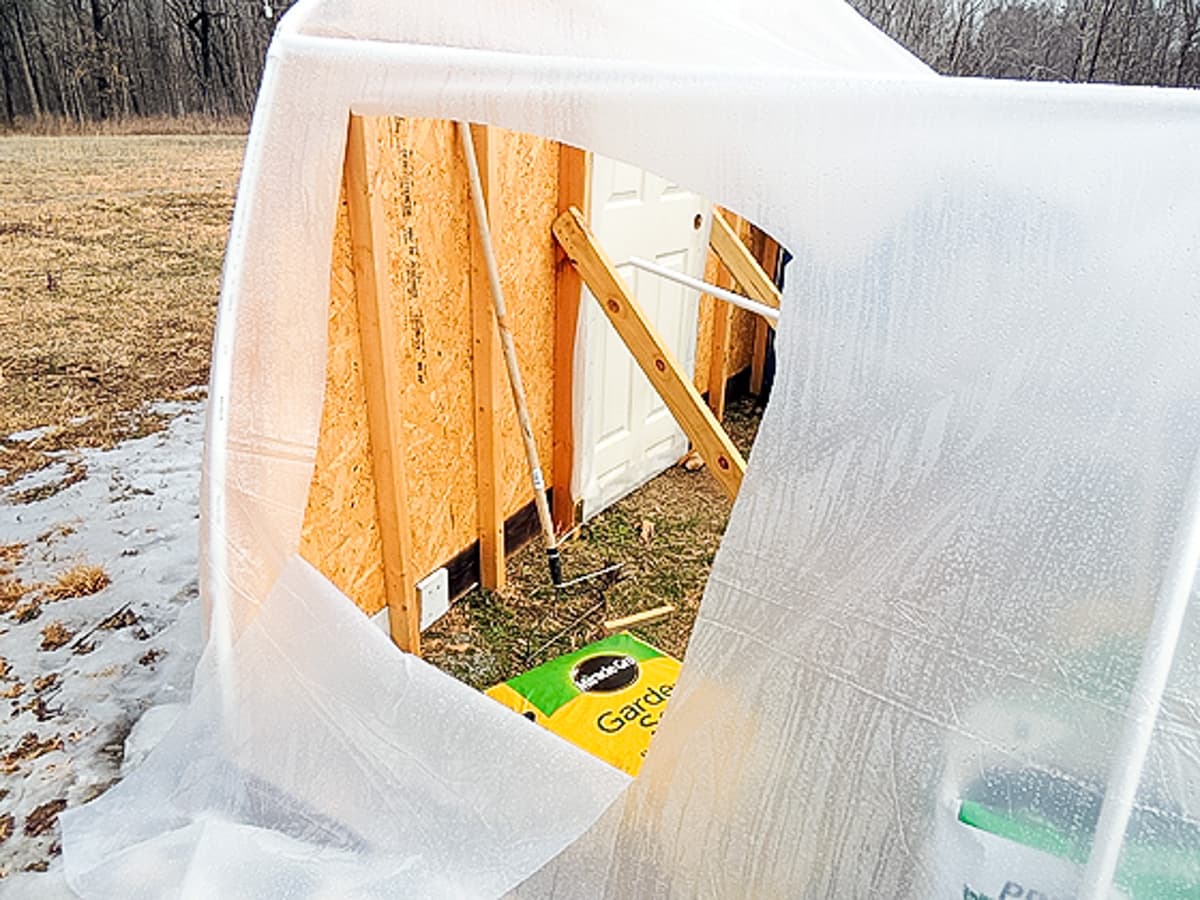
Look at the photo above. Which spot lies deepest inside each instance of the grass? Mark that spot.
(62, 126)
(665, 535)
(78, 581)
(112, 249)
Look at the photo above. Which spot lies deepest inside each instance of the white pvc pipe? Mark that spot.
(1144, 703)
(741, 302)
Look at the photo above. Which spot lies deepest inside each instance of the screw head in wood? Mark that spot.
(614, 305)
(722, 462)
(660, 365)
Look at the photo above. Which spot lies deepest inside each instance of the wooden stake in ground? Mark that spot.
(645, 617)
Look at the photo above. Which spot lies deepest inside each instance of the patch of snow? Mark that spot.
(29, 435)
(136, 515)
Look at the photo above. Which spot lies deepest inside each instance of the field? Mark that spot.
(110, 259)
(111, 250)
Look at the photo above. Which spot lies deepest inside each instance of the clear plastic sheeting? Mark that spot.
(964, 500)
(343, 769)
(921, 665)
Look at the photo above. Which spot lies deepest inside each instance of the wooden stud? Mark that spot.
(718, 360)
(758, 358)
(574, 190)
(487, 381)
(650, 351)
(381, 377)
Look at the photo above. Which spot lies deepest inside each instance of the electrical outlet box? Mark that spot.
(434, 593)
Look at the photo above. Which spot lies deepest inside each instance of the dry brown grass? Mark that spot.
(61, 126)
(78, 581)
(10, 556)
(12, 590)
(112, 249)
(28, 748)
(56, 635)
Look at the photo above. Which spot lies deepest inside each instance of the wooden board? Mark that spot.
(742, 324)
(379, 337)
(741, 260)
(574, 189)
(487, 379)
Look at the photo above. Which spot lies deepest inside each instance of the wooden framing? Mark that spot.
(754, 281)
(419, 457)
(718, 360)
(649, 350)
(758, 359)
(486, 382)
(741, 264)
(378, 333)
(574, 190)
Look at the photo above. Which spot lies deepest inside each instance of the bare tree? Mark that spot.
(1125, 41)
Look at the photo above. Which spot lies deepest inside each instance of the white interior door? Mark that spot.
(625, 434)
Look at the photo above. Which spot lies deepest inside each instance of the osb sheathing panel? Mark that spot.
(524, 210)
(341, 528)
(422, 182)
(425, 196)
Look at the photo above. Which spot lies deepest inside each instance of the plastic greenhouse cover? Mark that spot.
(946, 649)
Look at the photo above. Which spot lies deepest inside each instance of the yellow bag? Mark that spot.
(607, 698)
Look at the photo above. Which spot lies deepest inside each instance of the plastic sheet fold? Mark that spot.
(343, 769)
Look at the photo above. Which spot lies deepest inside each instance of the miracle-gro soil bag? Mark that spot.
(607, 698)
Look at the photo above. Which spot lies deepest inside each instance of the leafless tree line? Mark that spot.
(87, 60)
(1120, 41)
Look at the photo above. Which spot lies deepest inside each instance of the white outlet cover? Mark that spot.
(434, 591)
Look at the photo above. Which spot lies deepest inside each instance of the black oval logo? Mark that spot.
(605, 673)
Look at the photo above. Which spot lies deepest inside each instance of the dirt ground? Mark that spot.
(111, 250)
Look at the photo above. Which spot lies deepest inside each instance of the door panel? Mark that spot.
(624, 432)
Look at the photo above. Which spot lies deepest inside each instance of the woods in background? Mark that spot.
(96, 60)
(1121, 41)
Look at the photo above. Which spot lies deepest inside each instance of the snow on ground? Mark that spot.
(77, 672)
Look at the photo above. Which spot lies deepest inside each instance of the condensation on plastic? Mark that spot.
(944, 562)
(345, 769)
